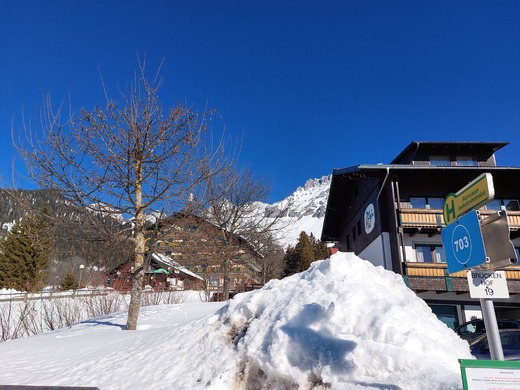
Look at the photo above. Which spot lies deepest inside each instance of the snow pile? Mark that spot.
(343, 324)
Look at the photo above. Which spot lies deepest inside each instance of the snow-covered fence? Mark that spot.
(23, 314)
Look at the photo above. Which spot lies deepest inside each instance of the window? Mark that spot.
(213, 281)
(512, 205)
(439, 254)
(436, 203)
(503, 204)
(418, 203)
(424, 254)
(430, 254)
(447, 314)
(440, 161)
(467, 161)
(427, 203)
(495, 204)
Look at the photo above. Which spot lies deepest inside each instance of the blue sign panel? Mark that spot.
(463, 243)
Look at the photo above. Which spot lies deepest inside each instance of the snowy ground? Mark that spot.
(342, 324)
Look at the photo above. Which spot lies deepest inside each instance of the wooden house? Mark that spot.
(203, 248)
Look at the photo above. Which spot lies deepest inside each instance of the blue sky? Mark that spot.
(309, 86)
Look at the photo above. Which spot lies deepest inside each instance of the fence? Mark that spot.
(23, 314)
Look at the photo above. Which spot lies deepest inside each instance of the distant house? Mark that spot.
(161, 273)
(202, 248)
(392, 215)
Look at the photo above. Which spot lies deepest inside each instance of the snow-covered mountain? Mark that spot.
(305, 210)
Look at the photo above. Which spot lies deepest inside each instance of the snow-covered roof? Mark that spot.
(170, 263)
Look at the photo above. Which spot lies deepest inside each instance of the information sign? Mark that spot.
(487, 284)
(463, 243)
(490, 374)
(475, 194)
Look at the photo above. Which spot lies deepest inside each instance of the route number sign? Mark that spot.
(463, 243)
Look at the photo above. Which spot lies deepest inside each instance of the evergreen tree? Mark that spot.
(300, 257)
(320, 249)
(291, 262)
(305, 251)
(69, 281)
(25, 254)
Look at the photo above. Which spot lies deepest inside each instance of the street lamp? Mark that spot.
(80, 272)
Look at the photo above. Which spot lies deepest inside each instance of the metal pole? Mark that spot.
(493, 335)
(80, 272)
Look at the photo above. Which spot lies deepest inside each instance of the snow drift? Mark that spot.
(342, 324)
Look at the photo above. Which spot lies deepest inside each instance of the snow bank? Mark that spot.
(343, 324)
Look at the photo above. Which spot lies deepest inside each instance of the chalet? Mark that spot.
(392, 215)
(204, 249)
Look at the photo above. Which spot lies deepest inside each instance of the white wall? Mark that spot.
(375, 254)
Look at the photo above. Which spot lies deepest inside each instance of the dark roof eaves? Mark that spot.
(404, 167)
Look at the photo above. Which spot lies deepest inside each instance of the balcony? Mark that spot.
(432, 221)
(434, 277)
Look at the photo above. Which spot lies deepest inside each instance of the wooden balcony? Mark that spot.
(433, 220)
(440, 270)
(434, 277)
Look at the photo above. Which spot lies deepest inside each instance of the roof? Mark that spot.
(169, 263)
(382, 168)
(424, 176)
(442, 147)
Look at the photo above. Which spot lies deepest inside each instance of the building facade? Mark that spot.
(204, 250)
(392, 215)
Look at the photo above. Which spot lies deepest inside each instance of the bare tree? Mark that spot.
(273, 263)
(128, 158)
(232, 203)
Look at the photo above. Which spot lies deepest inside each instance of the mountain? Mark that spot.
(15, 203)
(305, 210)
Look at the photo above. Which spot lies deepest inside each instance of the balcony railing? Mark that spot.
(428, 218)
(435, 277)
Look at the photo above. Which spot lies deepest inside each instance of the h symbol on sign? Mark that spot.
(449, 211)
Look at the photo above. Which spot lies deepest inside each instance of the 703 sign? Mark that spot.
(461, 243)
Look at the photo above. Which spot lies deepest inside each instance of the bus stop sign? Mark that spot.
(463, 243)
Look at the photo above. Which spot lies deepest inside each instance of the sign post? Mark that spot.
(465, 247)
(475, 194)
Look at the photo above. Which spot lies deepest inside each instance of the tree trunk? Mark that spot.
(139, 251)
(225, 287)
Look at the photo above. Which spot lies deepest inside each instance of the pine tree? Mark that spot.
(291, 262)
(300, 257)
(69, 281)
(305, 251)
(320, 249)
(25, 254)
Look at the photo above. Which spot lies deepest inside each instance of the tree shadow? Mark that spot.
(107, 323)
